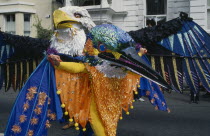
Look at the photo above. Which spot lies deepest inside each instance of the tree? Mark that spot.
(41, 31)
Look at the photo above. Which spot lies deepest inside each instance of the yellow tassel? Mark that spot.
(132, 107)
(138, 86)
(77, 128)
(62, 105)
(121, 118)
(133, 100)
(76, 124)
(58, 92)
(136, 92)
(66, 113)
(84, 129)
(127, 113)
(70, 120)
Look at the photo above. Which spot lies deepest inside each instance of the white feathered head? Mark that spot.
(64, 17)
(69, 37)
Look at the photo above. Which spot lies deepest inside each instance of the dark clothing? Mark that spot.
(194, 97)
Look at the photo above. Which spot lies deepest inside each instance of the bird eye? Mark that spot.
(101, 47)
(77, 15)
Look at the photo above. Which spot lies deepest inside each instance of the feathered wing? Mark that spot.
(36, 105)
(19, 56)
(178, 48)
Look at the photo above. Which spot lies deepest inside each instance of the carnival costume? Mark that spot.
(150, 89)
(108, 89)
(92, 89)
(109, 57)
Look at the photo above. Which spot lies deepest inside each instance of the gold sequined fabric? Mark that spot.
(111, 96)
(75, 94)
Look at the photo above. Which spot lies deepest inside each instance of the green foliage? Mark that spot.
(41, 31)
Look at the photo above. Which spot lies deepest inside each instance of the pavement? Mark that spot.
(184, 120)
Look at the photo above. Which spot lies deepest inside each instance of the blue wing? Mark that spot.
(185, 51)
(19, 55)
(36, 104)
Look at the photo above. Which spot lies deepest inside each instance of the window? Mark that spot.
(86, 2)
(91, 2)
(156, 7)
(10, 23)
(155, 12)
(60, 1)
(27, 24)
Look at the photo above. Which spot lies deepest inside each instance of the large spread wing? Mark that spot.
(19, 55)
(178, 48)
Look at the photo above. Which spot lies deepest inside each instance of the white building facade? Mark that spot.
(19, 16)
(133, 14)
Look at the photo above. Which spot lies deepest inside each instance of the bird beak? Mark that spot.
(62, 20)
(130, 60)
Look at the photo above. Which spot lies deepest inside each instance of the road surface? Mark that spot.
(184, 120)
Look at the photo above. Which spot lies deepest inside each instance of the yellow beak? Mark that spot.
(62, 20)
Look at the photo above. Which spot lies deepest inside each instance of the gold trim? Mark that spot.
(21, 75)
(208, 61)
(6, 85)
(27, 67)
(34, 64)
(198, 63)
(153, 62)
(188, 69)
(175, 71)
(15, 77)
(162, 68)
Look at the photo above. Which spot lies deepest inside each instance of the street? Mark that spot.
(184, 120)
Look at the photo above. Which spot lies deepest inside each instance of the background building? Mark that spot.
(133, 14)
(19, 16)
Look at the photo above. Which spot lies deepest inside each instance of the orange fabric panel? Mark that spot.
(130, 83)
(75, 94)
